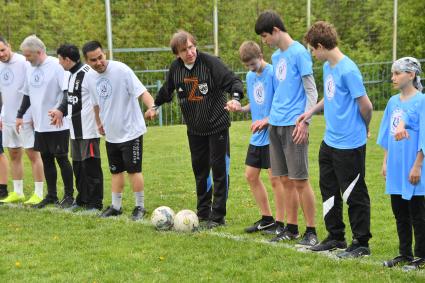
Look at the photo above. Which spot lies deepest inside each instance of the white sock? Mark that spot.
(139, 198)
(18, 187)
(117, 200)
(38, 189)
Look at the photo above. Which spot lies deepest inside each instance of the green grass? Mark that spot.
(54, 246)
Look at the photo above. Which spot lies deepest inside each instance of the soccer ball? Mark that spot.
(186, 221)
(163, 218)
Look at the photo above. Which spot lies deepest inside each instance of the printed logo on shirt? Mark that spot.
(103, 88)
(6, 77)
(203, 88)
(72, 99)
(281, 69)
(395, 119)
(37, 78)
(259, 93)
(330, 87)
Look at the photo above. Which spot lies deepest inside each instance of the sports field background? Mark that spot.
(51, 245)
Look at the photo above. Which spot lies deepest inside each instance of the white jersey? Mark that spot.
(116, 91)
(80, 107)
(44, 86)
(12, 79)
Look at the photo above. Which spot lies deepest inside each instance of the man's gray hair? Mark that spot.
(33, 43)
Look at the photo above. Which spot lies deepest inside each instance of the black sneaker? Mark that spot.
(110, 211)
(138, 213)
(354, 250)
(276, 229)
(416, 264)
(329, 244)
(285, 235)
(211, 224)
(309, 239)
(260, 225)
(66, 202)
(398, 260)
(3, 194)
(45, 202)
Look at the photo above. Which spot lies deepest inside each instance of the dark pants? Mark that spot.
(89, 178)
(211, 153)
(342, 173)
(51, 174)
(410, 214)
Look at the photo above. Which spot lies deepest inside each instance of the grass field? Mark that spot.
(51, 245)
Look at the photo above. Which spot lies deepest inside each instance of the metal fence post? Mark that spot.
(158, 86)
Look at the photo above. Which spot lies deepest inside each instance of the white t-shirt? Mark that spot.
(116, 91)
(12, 79)
(80, 106)
(44, 86)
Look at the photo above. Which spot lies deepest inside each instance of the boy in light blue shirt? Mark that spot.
(342, 155)
(260, 89)
(295, 93)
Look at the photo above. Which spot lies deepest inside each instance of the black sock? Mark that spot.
(311, 230)
(293, 228)
(3, 187)
(281, 224)
(267, 219)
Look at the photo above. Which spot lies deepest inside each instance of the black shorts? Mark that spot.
(56, 143)
(126, 156)
(82, 149)
(258, 156)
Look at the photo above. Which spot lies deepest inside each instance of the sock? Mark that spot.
(311, 230)
(3, 187)
(267, 219)
(38, 189)
(281, 224)
(139, 197)
(293, 228)
(116, 200)
(18, 187)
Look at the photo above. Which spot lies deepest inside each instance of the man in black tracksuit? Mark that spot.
(201, 81)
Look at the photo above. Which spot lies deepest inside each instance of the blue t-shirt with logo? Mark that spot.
(416, 115)
(260, 94)
(401, 154)
(343, 84)
(290, 99)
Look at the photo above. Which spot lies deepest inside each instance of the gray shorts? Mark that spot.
(287, 158)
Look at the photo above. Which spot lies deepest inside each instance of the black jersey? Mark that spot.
(201, 92)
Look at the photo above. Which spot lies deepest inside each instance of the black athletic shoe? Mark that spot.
(260, 225)
(398, 260)
(45, 202)
(138, 213)
(416, 264)
(66, 202)
(309, 239)
(354, 250)
(110, 211)
(211, 224)
(274, 230)
(3, 194)
(329, 244)
(285, 235)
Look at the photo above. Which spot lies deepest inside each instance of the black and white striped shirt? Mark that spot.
(201, 92)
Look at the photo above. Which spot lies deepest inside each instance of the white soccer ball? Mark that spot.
(163, 218)
(186, 221)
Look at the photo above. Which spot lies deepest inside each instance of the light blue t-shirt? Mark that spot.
(343, 84)
(290, 98)
(401, 154)
(260, 94)
(415, 115)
